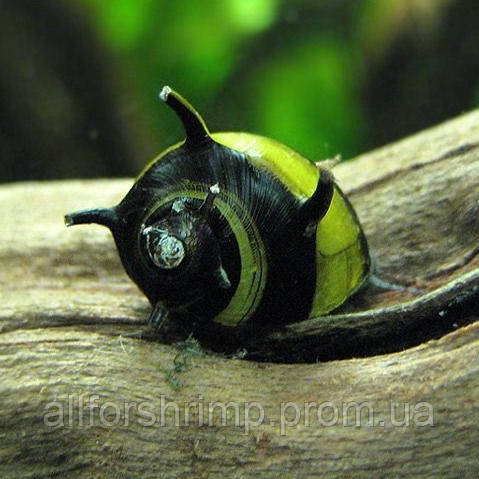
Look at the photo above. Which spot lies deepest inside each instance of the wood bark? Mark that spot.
(80, 385)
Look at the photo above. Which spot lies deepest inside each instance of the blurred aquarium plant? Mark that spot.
(303, 92)
(79, 97)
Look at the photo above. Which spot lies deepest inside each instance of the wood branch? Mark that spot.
(80, 386)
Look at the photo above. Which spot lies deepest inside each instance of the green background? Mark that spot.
(80, 79)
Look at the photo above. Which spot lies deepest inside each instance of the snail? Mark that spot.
(234, 229)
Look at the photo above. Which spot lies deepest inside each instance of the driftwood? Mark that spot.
(86, 392)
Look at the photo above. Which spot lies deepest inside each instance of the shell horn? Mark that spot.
(102, 216)
(195, 128)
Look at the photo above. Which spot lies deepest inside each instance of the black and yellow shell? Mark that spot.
(235, 229)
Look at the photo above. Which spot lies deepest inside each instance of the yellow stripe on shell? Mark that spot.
(341, 265)
(297, 173)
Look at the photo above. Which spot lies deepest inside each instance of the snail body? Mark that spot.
(234, 229)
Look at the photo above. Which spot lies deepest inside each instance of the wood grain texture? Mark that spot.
(67, 310)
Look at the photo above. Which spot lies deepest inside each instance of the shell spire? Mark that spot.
(195, 128)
